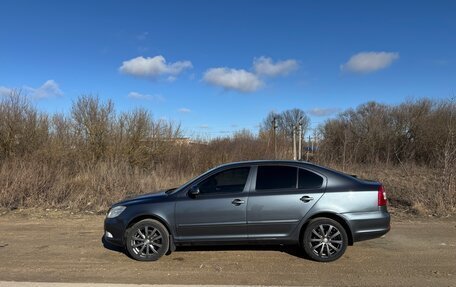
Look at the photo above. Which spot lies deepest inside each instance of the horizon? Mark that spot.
(222, 67)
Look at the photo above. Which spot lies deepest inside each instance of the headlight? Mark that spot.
(115, 211)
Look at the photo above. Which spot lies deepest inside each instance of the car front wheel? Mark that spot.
(147, 240)
(325, 240)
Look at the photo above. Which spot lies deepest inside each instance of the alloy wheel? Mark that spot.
(326, 240)
(146, 240)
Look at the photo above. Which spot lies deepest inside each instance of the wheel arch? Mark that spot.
(149, 216)
(334, 216)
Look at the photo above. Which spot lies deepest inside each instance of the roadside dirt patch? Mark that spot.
(65, 247)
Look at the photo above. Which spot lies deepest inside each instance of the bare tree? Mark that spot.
(93, 123)
(23, 129)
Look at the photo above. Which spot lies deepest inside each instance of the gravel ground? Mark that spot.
(56, 246)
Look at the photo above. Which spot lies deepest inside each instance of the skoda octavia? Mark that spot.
(262, 202)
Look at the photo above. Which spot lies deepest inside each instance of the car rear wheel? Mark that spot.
(147, 240)
(325, 240)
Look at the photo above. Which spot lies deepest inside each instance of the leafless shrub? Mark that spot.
(92, 124)
(22, 128)
(410, 137)
(92, 157)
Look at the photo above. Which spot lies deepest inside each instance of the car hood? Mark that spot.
(148, 197)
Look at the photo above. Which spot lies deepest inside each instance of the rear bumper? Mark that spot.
(368, 225)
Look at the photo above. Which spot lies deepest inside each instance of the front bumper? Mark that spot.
(114, 230)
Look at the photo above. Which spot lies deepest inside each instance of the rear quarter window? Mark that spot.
(309, 180)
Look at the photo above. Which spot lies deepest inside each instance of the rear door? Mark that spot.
(281, 196)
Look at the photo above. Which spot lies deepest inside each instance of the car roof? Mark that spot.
(329, 172)
(267, 162)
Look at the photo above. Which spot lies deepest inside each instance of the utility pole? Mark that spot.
(345, 147)
(315, 144)
(274, 127)
(312, 146)
(300, 139)
(308, 149)
(294, 141)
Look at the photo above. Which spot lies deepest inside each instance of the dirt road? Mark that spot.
(60, 247)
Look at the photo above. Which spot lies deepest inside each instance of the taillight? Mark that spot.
(381, 196)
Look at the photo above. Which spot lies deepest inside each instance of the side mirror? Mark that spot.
(194, 191)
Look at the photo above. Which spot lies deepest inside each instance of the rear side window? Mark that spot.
(276, 177)
(309, 180)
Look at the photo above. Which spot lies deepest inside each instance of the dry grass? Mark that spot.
(412, 188)
(25, 183)
(94, 188)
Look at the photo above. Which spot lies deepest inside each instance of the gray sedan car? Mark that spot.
(261, 202)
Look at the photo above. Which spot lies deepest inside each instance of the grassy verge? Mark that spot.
(28, 183)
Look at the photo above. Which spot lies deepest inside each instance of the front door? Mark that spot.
(218, 212)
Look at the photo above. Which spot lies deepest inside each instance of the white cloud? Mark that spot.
(265, 66)
(233, 79)
(184, 110)
(143, 48)
(5, 91)
(322, 112)
(49, 89)
(143, 36)
(139, 96)
(153, 67)
(367, 62)
(245, 81)
(204, 127)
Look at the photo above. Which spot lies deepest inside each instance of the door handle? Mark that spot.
(306, 198)
(238, 202)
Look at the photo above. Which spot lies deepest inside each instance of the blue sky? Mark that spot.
(219, 66)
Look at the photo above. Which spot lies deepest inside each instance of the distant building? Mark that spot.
(176, 140)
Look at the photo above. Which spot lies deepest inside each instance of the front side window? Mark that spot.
(232, 180)
(276, 177)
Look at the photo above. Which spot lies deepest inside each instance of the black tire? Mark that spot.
(147, 240)
(324, 239)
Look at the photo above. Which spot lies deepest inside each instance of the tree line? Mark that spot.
(94, 155)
